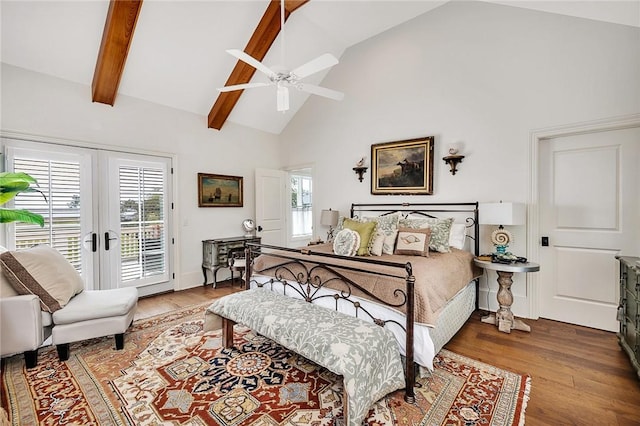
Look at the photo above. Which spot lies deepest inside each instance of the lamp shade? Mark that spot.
(502, 213)
(329, 217)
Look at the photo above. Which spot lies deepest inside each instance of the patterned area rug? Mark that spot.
(170, 372)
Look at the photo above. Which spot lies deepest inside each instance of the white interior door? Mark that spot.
(271, 193)
(589, 212)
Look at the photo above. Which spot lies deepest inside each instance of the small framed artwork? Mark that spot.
(219, 190)
(402, 167)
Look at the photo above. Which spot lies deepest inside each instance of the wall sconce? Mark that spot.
(360, 168)
(453, 159)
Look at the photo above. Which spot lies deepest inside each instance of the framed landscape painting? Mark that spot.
(402, 167)
(219, 190)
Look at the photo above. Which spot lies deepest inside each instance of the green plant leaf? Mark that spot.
(11, 184)
(7, 215)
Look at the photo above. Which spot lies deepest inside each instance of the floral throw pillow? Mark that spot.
(440, 229)
(346, 243)
(388, 226)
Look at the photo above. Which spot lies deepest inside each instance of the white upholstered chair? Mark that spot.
(53, 302)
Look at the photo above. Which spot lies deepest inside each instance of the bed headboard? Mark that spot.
(466, 213)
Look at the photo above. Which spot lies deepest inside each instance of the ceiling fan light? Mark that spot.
(282, 97)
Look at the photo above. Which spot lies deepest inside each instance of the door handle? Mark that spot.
(106, 240)
(544, 241)
(259, 228)
(94, 242)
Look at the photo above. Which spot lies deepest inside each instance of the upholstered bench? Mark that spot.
(364, 354)
(94, 314)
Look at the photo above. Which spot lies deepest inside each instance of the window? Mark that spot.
(301, 204)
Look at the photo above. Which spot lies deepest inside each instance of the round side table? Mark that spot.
(504, 318)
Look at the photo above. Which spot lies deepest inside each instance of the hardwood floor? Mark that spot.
(579, 376)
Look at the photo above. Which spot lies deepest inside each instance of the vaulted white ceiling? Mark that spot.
(177, 57)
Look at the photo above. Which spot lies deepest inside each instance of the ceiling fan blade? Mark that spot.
(244, 57)
(242, 86)
(321, 91)
(313, 66)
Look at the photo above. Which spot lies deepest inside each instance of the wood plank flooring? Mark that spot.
(579, 376)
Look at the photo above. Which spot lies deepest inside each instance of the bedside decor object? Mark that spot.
(402, 167)
(329, 218)
(501, 214)
(249, 227)
(219, 190)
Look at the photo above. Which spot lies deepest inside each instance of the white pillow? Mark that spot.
(378, 243)
(458, 236)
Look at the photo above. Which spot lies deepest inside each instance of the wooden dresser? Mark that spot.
(216, 253)
(629, 309)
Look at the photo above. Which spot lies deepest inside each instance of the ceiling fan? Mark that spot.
(283, 79)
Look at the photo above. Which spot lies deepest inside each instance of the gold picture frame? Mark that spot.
(402, 167)
(219, 190)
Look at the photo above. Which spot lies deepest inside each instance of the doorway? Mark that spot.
(107, 212)
(588, 206)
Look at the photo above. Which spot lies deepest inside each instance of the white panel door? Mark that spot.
(589, 212)
(271, 196)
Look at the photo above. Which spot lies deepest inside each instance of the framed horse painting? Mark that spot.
(219, 190)
(402, 167)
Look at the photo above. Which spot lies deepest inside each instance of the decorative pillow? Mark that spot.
(440, 229)
(366, 230)
(413, 242)
(346, 243)
(458, 236)
(388, 225)
(43, 271)
(6, 290)
(376, 245)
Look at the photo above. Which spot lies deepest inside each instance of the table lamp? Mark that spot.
(501, 214)
(329, 218)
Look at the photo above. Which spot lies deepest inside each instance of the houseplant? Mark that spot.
(12, 184)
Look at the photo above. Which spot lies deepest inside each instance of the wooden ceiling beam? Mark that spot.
(116, 40)
(262, 39)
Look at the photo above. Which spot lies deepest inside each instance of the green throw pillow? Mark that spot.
(366, 232)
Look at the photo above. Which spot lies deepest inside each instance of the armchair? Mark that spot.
(52, 302)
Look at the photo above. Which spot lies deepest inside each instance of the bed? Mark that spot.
(423, 300)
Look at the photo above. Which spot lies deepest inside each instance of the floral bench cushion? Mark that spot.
(365, 354)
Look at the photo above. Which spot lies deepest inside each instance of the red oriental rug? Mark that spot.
(171, 372)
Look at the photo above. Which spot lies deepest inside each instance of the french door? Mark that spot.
(107, 212)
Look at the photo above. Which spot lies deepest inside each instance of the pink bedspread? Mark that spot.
(439, 277)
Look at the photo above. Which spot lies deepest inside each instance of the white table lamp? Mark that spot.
(501, 214)
(329, 218)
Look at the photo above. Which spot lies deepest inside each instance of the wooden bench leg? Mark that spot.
(227, 333)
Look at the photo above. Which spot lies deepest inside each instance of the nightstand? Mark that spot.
(504, 318)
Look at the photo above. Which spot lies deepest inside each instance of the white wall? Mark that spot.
(37, 104)
(483, 74)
